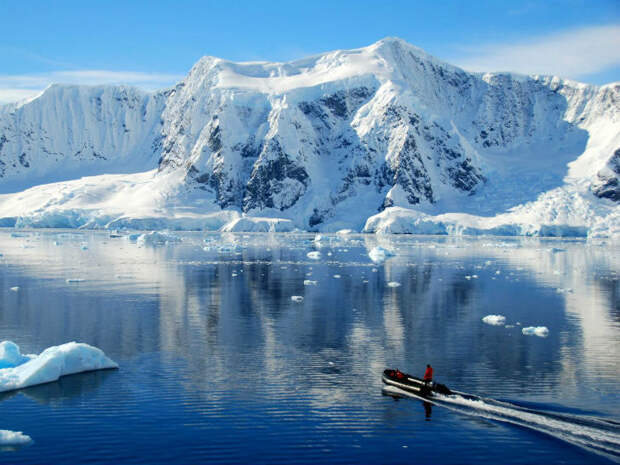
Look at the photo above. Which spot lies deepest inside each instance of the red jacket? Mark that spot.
(428, 374)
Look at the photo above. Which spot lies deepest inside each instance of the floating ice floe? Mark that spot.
(157, 238)
(379, 254)
(540, 331)
(309, 282)
(314, 255)
(494, 320)
(13, 438)
(19, 371)
(393, 284)
(15, 288)
(297, 298)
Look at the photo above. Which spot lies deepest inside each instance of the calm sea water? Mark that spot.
(219, 364)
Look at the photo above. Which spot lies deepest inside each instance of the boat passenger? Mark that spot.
(428, 374)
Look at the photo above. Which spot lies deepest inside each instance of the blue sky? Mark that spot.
(153, 44)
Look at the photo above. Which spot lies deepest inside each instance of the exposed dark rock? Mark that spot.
(23, 161)
(267, 185)
(607, 185)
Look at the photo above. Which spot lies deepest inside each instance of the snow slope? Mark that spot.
(384, 138)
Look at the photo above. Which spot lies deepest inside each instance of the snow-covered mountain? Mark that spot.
(384, 138)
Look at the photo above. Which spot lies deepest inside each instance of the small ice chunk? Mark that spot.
(494, 320)
(337, 276)
(314, 255)
(15, 288)
(393, 284)
(75, 280)
(379, 254)
(540, 331)
(309, 282)
(297, 298)
(13, 438)
(51, 364)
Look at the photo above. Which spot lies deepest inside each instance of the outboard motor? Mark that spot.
(442, 389)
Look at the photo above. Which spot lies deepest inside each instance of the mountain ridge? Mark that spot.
(327, 141)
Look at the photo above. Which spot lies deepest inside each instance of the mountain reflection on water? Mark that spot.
(208, 328)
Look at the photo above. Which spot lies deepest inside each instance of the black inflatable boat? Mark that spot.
(412, 384)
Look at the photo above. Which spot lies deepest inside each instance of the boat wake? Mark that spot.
(598, 435)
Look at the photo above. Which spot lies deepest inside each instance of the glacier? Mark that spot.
(19, 371)
(380, 139)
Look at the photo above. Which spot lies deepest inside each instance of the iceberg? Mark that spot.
(157, 238)
(256, 224)
(19, 371)
(494, 320)
(13, 438)
(379, 254)
(540, 331)
(10, 356)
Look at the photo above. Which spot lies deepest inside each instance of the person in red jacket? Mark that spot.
(428, 374)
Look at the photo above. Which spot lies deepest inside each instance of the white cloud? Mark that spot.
(15, 95)
(571, 54)
(19, 87)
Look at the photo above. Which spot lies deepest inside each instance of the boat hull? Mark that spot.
(412, 384)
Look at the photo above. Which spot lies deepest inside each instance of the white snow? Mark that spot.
(494, 320)
(54, 362)
(540, 331)
(13, 438)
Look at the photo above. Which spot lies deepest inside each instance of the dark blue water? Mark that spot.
(218, 364)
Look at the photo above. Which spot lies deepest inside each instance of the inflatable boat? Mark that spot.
(412, 384)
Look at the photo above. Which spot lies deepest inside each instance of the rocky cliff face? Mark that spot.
(346, 133)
